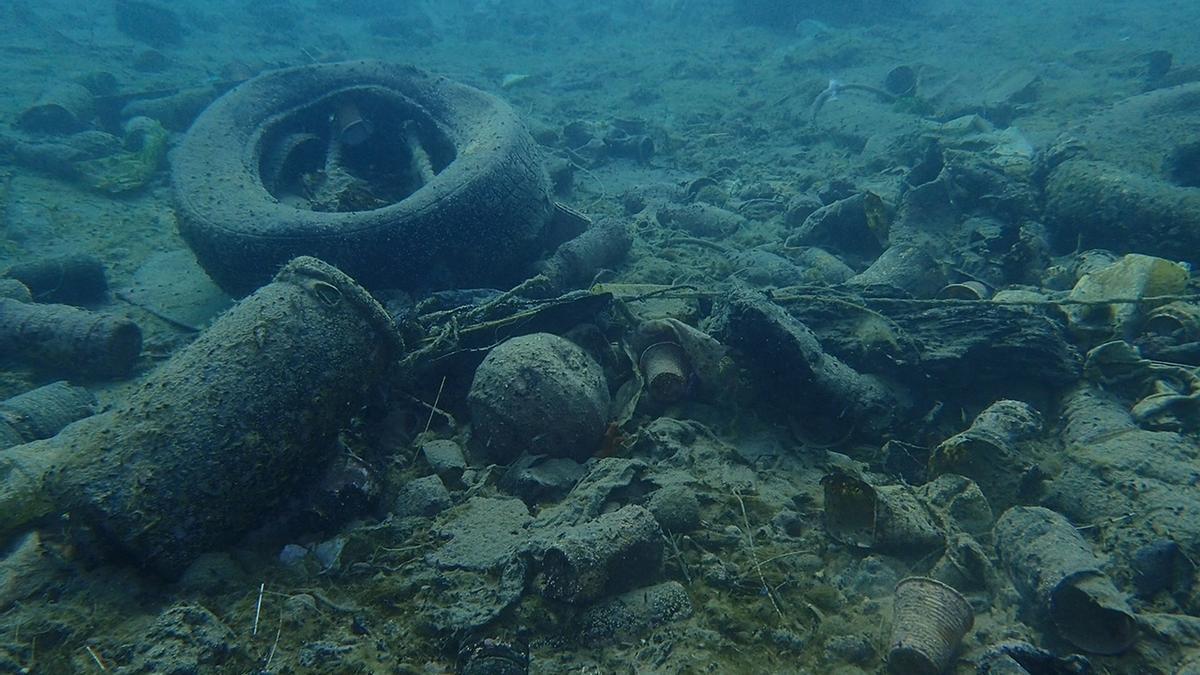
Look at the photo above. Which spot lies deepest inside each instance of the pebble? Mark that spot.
(426, 496)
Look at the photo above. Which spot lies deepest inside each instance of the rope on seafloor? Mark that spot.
(836, 87)
(788, 295)
(456, 316)
(628, 293)
(459, 322)
(454, 324)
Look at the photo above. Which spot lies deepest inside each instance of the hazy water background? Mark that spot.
(724, 86)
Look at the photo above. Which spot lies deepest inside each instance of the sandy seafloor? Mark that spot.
(721, 98)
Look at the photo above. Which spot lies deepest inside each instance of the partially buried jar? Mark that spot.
(539, 394)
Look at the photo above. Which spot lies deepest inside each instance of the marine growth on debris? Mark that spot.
(734, 336)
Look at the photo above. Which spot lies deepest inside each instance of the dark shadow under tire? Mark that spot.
(476, 221)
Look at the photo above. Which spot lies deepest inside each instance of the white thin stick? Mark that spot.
(96, 658)
(754, 555)
(436, 399)
(272, 654)
(258, 608)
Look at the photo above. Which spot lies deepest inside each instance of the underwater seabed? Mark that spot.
(839, 338)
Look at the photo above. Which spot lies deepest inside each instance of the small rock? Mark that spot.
(849, 648)
(446, 459)
(717, 572)
(15, 290)
(636, 612)
(791, 523)
(821, 266)
(346, 489)
(763, 268)
(212, 573)
(329, 553)
(701, 220)
(27, 570)
(300, 608)
(293, 554)
(676, 508)
(426, 496)
(484, 534)
(1159, 566)
(871, 576)
(537, 478)
(183, 639)
(323, 654)
(809, 562)
(788, 640)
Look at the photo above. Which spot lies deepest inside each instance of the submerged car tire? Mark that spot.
(476, 220)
